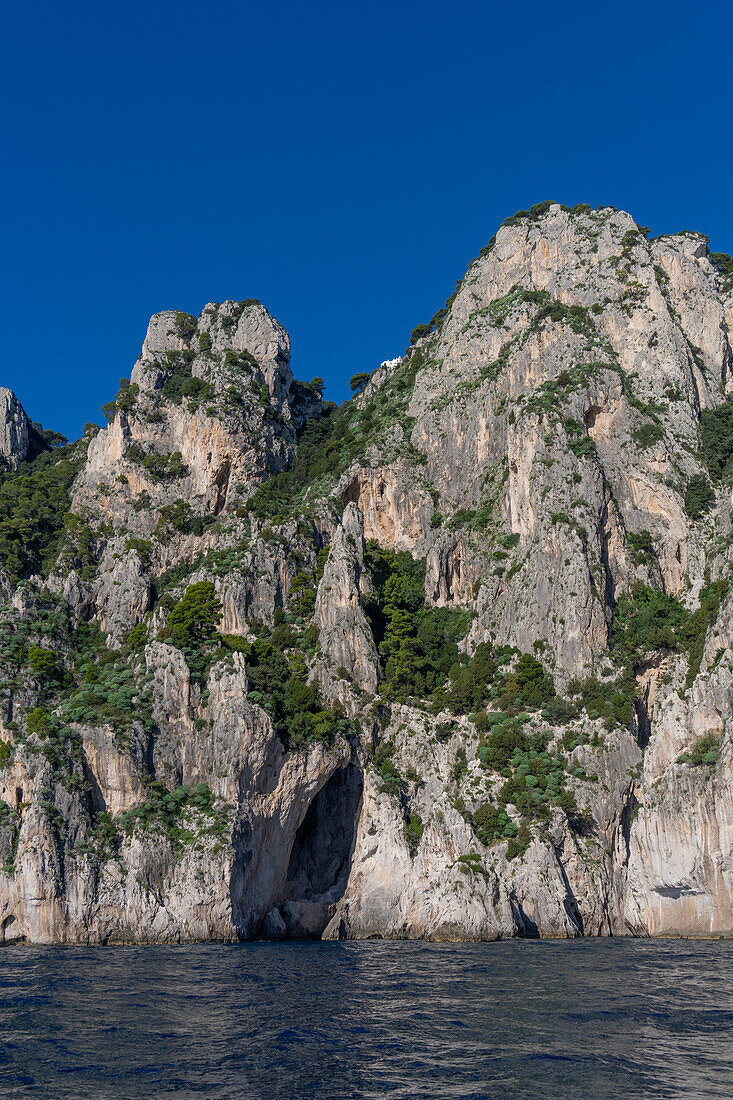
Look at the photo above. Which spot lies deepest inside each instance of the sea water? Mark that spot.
(588, 1018)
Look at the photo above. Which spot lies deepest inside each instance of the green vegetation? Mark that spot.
(142, 547)
(107, 689)
(419, 332)
(706, 750)
(550, 309)
(160, 467)
(641, 547)
(417, 644)
(529, 683)
(181, 517)
(330, 443)
(9, 824)
(724, 264)
(497, 749)
(699, 496)
(611, 700)
(277, 671)
(647, 619)
(184, 815)
(492, 824)
(699, 622)
(716, 429)
(535, 779)
(414, 829)
(137, 638)
(648, 434)
(482, 679)
(280, 685)
(185, 325)
(34, 502)
(231, 320)
(302, 595)
(358, 381)
(392, 780)
(44, 662)
(552, 395)
(125, 400)
(519, 844)
(440, 315)
(537, 211)
(193, 621)
(182, 383)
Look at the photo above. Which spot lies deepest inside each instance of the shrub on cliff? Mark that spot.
(416, 643)
(519, 844)
(194, 618)
(281, 687)
(716, 428)
(529, 683)
(419, 332)
(489, 822)
(44, 662)
(699, 496)
(706, 750)
(500, 746)
(612, 700)
(33, 503)
(647, 619)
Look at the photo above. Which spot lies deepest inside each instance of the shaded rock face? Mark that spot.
(320, 859)
(273, 776)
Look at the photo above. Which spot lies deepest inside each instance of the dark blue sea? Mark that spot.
(590, 1018)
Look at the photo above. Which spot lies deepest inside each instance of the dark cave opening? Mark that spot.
(321, 855)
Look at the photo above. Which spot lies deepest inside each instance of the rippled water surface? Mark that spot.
(594, 1018)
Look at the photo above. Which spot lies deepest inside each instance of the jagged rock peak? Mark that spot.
(244, 328)
(17, 437)
(453, 660)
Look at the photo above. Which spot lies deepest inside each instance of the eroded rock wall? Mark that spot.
(534, 450)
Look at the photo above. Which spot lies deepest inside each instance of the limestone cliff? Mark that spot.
(452, 661)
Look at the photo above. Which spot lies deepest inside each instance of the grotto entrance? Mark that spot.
(320, 860)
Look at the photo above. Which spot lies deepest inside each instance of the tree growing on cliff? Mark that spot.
(699, 496)
(194, 618)
(359, 381)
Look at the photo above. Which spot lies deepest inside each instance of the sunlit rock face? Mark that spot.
(453, 661)
(17, 438)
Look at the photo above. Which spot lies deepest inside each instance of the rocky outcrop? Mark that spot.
(219, 873)
(395, 514)
(17, 438)
(230, 708)
(210, 410)
(345, 636)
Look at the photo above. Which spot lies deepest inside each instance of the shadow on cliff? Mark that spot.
(320, 861)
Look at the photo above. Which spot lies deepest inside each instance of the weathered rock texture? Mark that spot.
(17, 438)
(534, 449)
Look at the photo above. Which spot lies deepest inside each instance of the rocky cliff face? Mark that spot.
(18, 439)
(453, 660)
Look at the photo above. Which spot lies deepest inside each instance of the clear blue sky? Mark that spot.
(341, 162)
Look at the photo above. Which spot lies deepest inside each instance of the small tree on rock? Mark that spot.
(195, 617)
(359, 381)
